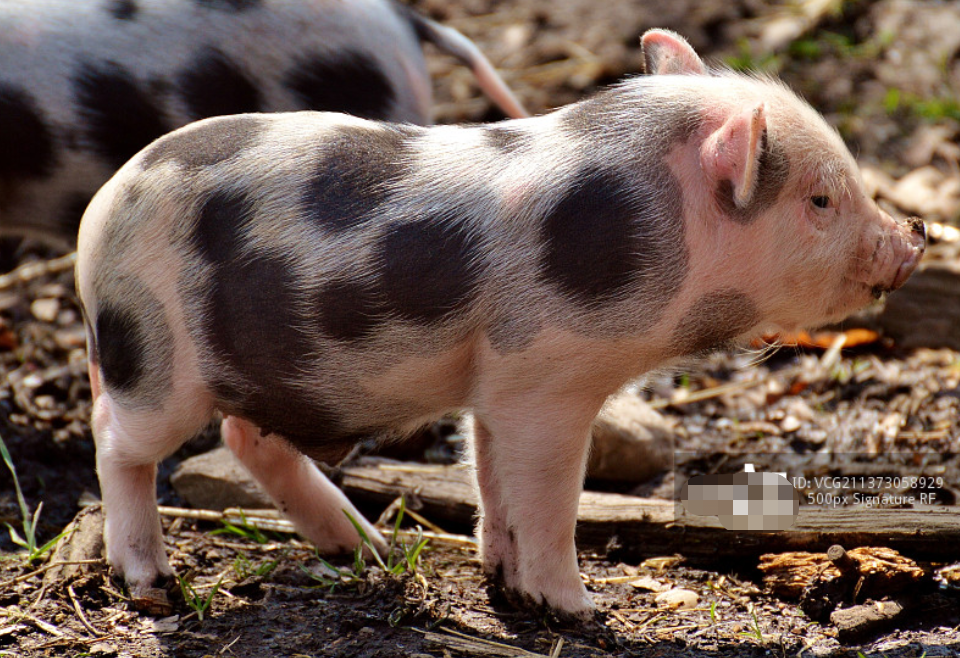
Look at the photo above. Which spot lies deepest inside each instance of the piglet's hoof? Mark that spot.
(551, 615)
(156, 598)
(152, 601)
(585, 620)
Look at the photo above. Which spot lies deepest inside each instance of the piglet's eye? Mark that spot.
(820, 201)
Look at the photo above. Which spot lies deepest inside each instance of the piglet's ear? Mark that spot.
(732, 153)
(666, 52)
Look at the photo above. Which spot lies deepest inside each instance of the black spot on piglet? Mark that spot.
(132, 341)
(428, 268)
(121, 117)
(230, 5)
(594, 238)
(218, 234)
(349, 310)
(507, 140)
(120, 348)
(714, 320)
(356, 169)
(347, 81)
(207, 145)
(26, 143)
(254, 327)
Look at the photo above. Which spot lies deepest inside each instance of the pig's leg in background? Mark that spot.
(530, 463)
(129, 445)
(298, 488)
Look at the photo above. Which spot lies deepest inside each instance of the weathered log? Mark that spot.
(644, 526)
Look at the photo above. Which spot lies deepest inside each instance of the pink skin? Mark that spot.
(529, 495)
(801, 264)
(126, 465)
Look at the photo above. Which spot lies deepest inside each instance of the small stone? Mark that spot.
(70, 338)
(45, 310)
(678, 599)
(67, 318)
(103, 649)
(9, 300)
(54, 289)
(215, 480)
(790, 424)
(169, 624)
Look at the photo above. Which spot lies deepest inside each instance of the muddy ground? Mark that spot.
(885, 73)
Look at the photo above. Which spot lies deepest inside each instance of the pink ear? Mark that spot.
(732, 153)
(666, 52)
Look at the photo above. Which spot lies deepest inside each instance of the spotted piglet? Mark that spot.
(85, 85)
(317, 278)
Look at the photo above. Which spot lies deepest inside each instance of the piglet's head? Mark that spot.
(781, 213)
(821, 247)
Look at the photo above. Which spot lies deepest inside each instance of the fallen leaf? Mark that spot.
(8, 339)
(822, 340)
(648, 583)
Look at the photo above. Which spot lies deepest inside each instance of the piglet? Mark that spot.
(317, 278)
(85, 85)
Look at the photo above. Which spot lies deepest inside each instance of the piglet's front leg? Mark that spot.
(530, 463)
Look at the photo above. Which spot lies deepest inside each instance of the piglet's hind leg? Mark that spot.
(298, 488)
(129, 445)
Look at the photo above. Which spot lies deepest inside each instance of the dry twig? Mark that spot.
(42, 625)
(31, 271)
(83, 618)
(478, 646)
(272, 520)
(706, 394)
(46, 567)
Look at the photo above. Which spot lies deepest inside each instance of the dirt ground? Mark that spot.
(886, 73)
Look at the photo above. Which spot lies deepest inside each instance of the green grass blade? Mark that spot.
(365, 540)
(359, 564)
(50, 544)
(16, 538)
(34, 522)
(24, 510)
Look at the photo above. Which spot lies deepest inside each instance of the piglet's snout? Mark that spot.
(909, 247)
(916, 225)
(891, 254)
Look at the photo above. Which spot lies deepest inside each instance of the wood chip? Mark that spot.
(882, 571)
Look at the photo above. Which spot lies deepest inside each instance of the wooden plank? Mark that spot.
(646, 527)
